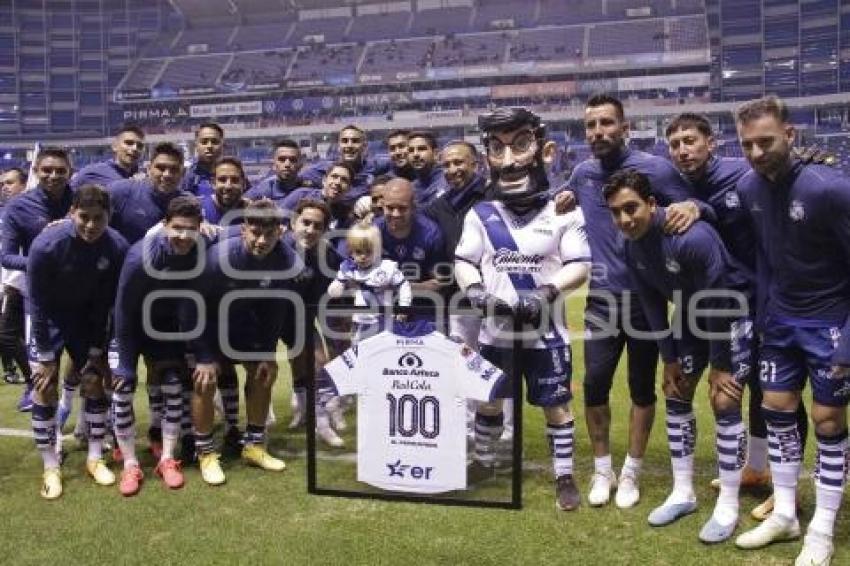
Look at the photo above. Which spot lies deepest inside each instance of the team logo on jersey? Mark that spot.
(493, 218)
(514, 261)
(410, 360)
(474, 362)
(672, 265)
(418, 253)
(796, 211)
(102, 263)
(732, 200)
(401, 251)
(380, 277)
(399, 470)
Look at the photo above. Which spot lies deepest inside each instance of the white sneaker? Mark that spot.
(628, 493)
(600, 488)
(775, 528)
(817, 550)
(329, 437)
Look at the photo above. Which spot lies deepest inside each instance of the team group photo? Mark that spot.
(425, 281)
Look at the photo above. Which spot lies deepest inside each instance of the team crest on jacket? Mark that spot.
(102, 263)
(732, 200)
(672, 265)
(418, 253)
(796, 211)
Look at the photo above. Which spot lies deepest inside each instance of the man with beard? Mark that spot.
(352, 152)
(612, 311)
(209, 146)
(397, 146)
(128, 148)
(801, 215)
(516, 256)
(224, 205)
(286, 162)
(429, 181)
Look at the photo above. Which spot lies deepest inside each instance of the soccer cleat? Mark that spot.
(187, 450)
(211, 470)
(714, 531)
(817, 550)
(25, 402)
(601, 485)
(169, 470)
(232, 447)
(476, 472)
(628, 492)
(750, 479)
(131, 481)
(155, 448)
(667, 513)
(567, 497)
(256, 455)
(51, 485)
(775, 528)
(98, 470)
(329, 437)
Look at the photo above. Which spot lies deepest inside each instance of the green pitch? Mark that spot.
(265, 518)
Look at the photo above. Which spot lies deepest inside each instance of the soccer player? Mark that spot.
(258, 260)
(516, 254)
(128, 148)
(13, 182)
(399, 151)
(801, 215)
(24, 218)
(352, 148)
(713, 180)
(611, 310)
(429, 182)
(696, 273)
(72, 273)
(223, 206)
(286, 162)
(163, 261)
(209, 147)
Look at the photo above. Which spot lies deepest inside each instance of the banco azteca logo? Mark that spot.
(410, 360)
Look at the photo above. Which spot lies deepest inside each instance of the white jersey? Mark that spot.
(376, 286)
(412, 386)
(518, 253)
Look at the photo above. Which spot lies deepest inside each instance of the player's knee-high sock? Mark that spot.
(186, 417)
(94, 411)
(156, 404)
(125, 425)
(681, 438)
(830, 474)
(173, 396)
(786, 454)
(44, 431)
(254, 434)
(488, 429)
(731, 443)
(204, 443)
(560, 437)
(230, 402)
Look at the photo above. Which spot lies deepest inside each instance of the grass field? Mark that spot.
(265, 518)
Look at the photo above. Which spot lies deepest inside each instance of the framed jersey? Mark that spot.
(411, 387)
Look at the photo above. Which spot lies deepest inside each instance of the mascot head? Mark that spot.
(517, 153)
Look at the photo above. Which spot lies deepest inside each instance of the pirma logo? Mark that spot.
(410, 360)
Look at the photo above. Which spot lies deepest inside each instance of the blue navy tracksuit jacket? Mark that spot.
(103, 173)
(26, 215)
(137, 207)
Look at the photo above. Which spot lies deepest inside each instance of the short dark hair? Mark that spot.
(53, 151)
(167, 148)
(91, 195)
(397, 132)
(345, 166)
(210, 125)
(132, 128)
(380, 180)
(187, 206)
(767, 106)
(687, 121)
(471, 147)
(351, 127)
(263, 213)
(628, 178)
(229, 160)
(321, 205)
(286, 142)
(601, 99)
(426, 135)
(22, 175)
